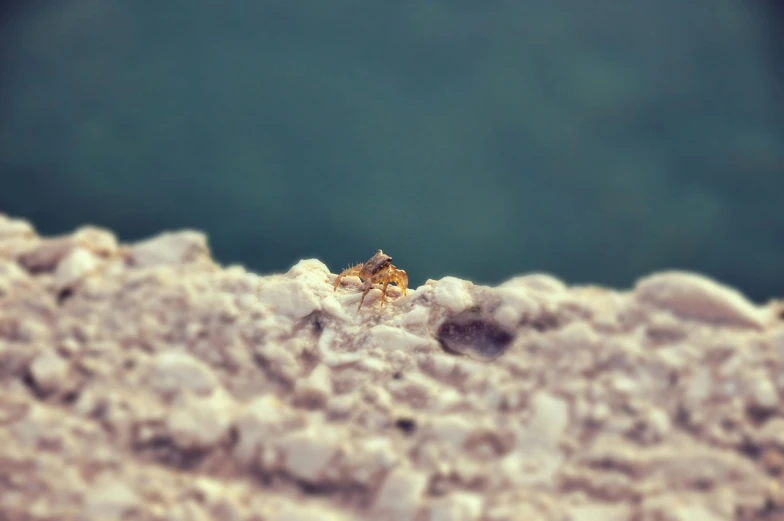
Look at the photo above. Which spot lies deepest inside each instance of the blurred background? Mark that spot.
(595, 140)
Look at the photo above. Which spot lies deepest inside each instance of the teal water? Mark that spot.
(476, 139)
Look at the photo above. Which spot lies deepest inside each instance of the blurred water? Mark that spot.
(477, 139)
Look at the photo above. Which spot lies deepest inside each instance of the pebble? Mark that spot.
(291, 298)
(316, 388)
(695, 296)
(50, 372)
(307, 453)
(110, 500)
(400, 496)
(170, 249)
(291, 512)
(457, 506)
(174, 371)
(389, 338)
(452, 294)
(200, 423)
(74, 266)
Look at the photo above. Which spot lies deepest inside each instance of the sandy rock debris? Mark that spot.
(146, 382)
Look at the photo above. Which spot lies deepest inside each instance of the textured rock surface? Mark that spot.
(146, 382)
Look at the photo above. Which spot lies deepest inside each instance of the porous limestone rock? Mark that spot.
(144, 381)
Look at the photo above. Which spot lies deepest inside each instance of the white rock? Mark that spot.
(50, 372)
(451, 428)
(541, 282)
(15, 228)
(289, 297)
(418, 315)
(458, 506)
(198, 423)
(307, 453)
(316, 388)
(258, 421)
(764, 394)
(78, 263)
(696, 296)
(172, 372)
(97, 240)
(773, 431)
(517, 298)
(451, 293)
(507, 317)
(659, 422)
(388, 338)
(312, 272)
(599, 512)
(110, 500)
(400, 496)
(550, 420)
(291, 512)
(170, 249)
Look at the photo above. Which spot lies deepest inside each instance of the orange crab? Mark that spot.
(378, 269)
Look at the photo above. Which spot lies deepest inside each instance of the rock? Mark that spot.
(400, 496)
(200, 423)
(452, 294)
(259, 420)
(74, 266)
(307, 453)
(290, 298)
(456, 507)
(599, 512)
(388, 337)
(50, 372)
(15, 228)
(291, 512)
(111, 500)
(316, 389)
(170, 249)
(170, 387)
(173, 372)
(694, 296)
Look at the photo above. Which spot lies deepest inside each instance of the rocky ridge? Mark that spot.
(146, 382)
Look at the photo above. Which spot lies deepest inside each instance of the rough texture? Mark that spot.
(146, 382)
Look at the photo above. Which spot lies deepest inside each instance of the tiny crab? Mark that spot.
(378, 269)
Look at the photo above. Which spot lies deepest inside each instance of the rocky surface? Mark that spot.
(145, 382)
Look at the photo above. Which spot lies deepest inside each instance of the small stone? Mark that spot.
(452, 428)
(659, 422)
(97, 240)
(764, 394)
(261, 419)
(550, 420)
(74, 266)
(289, 297)
(389, 338)
(15, 228)
(50, 372)
(200, 423)
(172, 372)
(400, 496)
(696, 296)
(458, 506)
(451, 293)
(47, 254)
(109, 501)
(599, 512)
(773, 432)
(541, 282)
(170, 249)
(303, 513)
(308, 452)
(316, 388)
